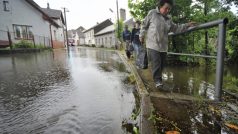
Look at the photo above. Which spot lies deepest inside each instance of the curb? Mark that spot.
(145, 126)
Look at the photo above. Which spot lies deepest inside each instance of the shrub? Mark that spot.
(40, 46)
(23, 44)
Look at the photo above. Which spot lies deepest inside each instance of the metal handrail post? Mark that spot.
(220, 61)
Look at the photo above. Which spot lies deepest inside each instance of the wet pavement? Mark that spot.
(77, 91)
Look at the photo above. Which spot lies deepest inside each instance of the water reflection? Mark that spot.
(198, 81)
(61, 92)
(194, 81)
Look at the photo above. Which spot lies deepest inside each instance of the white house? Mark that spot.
(106, 37)
(80, 36)
(89, 33)
(58, 34)
(24, 19)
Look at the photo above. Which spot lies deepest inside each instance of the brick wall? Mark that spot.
(58, 44)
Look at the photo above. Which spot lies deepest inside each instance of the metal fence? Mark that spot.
(9, 39)
(220, 51)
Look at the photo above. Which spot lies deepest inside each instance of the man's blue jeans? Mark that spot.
(136, 50)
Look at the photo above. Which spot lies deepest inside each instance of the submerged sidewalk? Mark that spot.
(169, 112)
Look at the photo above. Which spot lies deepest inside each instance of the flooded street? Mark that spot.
(80, 91)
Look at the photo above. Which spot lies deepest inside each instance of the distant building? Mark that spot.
(80, 38)
(77, 36)
(89, 33)
(106, 37)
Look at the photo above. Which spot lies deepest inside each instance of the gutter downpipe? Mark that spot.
(51, 37)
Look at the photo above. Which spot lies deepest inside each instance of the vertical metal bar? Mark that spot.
(220, 61)
(9, 39)
(33, 39)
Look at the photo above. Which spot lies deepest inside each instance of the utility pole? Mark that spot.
(118, 32)
(67, 41)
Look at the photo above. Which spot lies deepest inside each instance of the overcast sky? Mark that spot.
(86, 13)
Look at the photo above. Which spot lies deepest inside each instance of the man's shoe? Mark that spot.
(158, 84)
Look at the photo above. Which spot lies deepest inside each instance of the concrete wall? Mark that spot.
(81, 41)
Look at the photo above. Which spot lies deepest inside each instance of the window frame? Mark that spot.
(24, 32)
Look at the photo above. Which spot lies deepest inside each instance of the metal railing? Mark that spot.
(220, 51)
(9, 39)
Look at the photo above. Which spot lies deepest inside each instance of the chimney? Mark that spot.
(122, 14)
(48, 5)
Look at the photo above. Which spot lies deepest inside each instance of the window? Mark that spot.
(110, 41)
(6, 5)
(23, 32)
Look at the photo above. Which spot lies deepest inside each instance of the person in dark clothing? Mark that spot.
(126, 35)
(135, 40)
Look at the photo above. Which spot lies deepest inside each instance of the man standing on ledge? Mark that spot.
(157, 24)
(126, 35)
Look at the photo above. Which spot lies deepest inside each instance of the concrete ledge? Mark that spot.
(21, 50)
(146, 126)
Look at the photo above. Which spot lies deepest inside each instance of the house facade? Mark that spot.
(25, 20)
(89, 37)
(79, 36)
(89, 33)
(57, 34)
(106, 37)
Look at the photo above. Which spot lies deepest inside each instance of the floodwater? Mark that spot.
(195, 117)
(196, 81)
(77, 91)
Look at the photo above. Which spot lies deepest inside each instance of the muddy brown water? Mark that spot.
(77, 91)
(189, 117)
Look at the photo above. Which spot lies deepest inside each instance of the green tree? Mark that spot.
(139, 9)
(119, 33)
(209, 10)
(200, 11)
